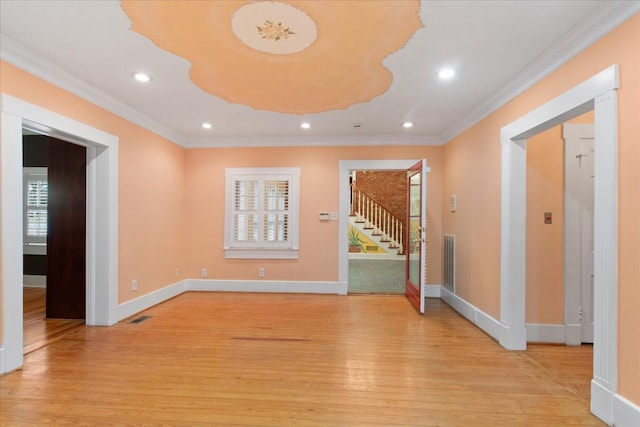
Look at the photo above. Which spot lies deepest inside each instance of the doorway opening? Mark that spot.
(346, 167)
(54, 224)
(377, 218)
(598, 93)
(101, 218)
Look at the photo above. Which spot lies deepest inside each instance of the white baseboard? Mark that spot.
(545, 333)
(573, 334)
(2, 360)
(136, 305)
(34, 281)
(612, 408)
(267, 286)
(625, 413)
(488, 324)
(432, 291)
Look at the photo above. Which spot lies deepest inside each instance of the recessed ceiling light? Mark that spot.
(446, 73)
(305, 125)
(142, 77)
(206, 125)
(407, 124)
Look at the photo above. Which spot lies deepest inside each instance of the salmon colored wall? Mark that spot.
(318, 256)
(544, 282)
(545, 193)
(471, 165)
(151, 179)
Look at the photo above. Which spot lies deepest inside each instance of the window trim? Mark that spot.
(292, 174)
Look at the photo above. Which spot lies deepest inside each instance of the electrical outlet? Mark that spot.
(177, 272)
(333, 216)
(203, 272)
(134, 285)
(261, 272)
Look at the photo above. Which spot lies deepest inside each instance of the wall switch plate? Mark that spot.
(548, 218)
(134, 285)
(333, 216)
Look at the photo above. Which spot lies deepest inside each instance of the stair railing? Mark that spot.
(376, 217)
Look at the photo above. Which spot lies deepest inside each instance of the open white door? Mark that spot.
(416, 234)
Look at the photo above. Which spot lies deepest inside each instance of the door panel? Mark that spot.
(66, 231)
(416, 229)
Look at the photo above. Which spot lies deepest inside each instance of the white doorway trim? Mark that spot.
(346, 166)
(102, 217)
(597, 93)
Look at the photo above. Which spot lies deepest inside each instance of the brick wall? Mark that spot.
(389, 188)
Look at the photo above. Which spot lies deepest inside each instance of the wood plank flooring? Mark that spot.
(303, 360)
(39, 331)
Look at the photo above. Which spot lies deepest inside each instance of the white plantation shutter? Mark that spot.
(276, 212)
(36, 195)
(261, 213)
(245, 216)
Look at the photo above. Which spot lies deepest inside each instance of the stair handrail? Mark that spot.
(384, 223)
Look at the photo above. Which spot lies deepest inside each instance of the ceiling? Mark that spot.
(354, 70)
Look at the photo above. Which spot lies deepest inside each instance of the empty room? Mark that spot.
(326, 213)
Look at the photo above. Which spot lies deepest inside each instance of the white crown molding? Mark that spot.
(607, 17)
(310, 141)
(23, 58)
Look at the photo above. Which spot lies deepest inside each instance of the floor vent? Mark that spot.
(449, 268)
(140, 319)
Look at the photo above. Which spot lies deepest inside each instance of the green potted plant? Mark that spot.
(355, 243)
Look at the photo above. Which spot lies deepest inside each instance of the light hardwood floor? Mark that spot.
(304, 360)
(39, 331)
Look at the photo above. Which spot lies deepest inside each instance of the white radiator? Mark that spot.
(449, 268)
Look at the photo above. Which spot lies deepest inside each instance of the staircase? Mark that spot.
(376, 222)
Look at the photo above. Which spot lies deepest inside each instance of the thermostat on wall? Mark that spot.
(324, 216)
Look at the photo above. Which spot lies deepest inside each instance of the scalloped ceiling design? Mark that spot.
(306, 57)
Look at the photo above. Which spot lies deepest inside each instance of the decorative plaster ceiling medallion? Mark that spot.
(287, 56)
(274, 27)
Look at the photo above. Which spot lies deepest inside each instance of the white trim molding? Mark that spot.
(482, 320)
(605, 18)
(598, 93)
(131, 307)
(302, 287)
(545, 333)
(102, 217)
(432, 291)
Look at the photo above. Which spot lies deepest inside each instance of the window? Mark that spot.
(261, 213)
(36, 194)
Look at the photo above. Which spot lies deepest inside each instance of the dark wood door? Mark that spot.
(66, 231)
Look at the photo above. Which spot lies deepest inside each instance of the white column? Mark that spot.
(512, 244)
(605, 255)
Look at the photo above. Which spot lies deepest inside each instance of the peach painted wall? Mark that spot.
(545, 193)
(471, 165)
(544, 283)
(151, 180)
(318, 256)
